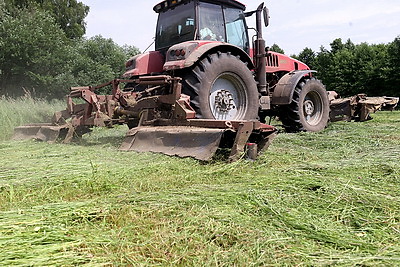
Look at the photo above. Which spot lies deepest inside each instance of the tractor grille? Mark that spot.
(272, 61)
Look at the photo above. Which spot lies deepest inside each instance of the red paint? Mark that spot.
(147, 63)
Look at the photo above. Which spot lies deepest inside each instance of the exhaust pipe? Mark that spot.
(259, 53)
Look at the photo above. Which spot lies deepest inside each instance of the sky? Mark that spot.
(294, 24)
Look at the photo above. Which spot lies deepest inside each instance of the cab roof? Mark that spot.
(167, 4)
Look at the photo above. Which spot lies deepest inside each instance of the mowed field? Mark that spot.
(313, 199)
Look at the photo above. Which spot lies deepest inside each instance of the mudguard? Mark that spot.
(283, 93)
(195, 50)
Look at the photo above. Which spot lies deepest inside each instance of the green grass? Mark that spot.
(312, 199)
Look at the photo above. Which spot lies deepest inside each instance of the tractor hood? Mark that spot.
(142, 64)
(278, 62)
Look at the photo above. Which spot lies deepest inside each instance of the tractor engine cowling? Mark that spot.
(142, 64)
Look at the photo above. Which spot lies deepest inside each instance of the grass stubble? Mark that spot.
(320, 199)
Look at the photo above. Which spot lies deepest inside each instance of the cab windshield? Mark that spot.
(176, 26)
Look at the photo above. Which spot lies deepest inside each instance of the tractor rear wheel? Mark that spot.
(309, 110)
(221, 87)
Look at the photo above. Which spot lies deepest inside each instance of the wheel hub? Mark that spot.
(224, 101)
(309, 107)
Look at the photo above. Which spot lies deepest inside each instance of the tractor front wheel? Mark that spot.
(309, 109)
(221, 87)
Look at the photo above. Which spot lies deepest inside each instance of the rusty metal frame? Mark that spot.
(161, 106)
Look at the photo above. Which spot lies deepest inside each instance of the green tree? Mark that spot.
(2, 8)
(92, 61)
(307, 56)
(37, 56)
(349, 44)
(32, 49)
(341, 72)
(393, 68)
(337, 45)
(99, 60)
(370, 62)
(322, 64)
(276, 48)
(130, 51)
(68, 14)
(351, 69)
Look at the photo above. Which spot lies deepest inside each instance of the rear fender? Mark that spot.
(283, 93)
(195, 50)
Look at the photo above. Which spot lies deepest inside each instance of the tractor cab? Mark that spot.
(210, 20)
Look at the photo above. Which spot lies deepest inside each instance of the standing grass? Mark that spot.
(312, 199)
(23, 110)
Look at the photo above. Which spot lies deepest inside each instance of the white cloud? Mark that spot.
(316, 23)
(294, 24)
(125, 21)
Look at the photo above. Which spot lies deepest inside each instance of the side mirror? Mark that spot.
(266, 16)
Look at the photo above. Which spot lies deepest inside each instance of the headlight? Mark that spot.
(181, 51)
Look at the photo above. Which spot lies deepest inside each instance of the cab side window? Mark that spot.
(236, 28)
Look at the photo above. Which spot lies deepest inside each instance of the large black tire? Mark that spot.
(221, 87)
(309, 110)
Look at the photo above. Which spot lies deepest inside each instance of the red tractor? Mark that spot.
(227, 75)
(208, 85)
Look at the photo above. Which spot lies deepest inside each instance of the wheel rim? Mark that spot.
(313, 108)
(228, 98)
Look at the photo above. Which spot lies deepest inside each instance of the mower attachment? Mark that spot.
(46, 132)
(358, 107)
(201, 139)
(160, 117)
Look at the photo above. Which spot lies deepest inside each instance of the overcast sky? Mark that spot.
(295, 24)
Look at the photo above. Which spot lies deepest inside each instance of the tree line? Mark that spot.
(349, 68)
(43, 51)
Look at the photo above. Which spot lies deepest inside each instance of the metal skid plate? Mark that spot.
(196, 142)
(200, 139)
(46, 132)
